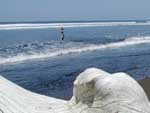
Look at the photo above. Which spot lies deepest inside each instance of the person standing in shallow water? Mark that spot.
(62, 33)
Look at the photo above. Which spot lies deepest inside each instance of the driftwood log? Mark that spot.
(95, 91)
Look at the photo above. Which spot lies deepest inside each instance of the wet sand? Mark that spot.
(145, 83)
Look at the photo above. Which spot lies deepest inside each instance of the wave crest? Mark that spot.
(53, 49)
(58, 25)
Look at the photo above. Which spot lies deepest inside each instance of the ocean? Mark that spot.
(33, 56)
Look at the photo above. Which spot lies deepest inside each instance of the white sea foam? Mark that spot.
(73, 50)
(58, 25)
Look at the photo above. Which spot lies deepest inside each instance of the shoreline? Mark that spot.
(145, 83)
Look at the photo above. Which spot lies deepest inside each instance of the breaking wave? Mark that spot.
(57, 25)
(52, 49)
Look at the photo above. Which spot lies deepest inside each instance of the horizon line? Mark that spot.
(65, 21)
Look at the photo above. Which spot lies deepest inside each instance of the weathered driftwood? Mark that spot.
(95, 91)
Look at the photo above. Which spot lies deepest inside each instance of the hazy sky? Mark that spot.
(63, 10)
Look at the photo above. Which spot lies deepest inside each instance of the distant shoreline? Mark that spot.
(74, 21)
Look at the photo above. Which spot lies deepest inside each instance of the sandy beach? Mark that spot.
(145, 83)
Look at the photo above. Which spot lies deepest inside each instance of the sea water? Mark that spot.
(33, 56)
